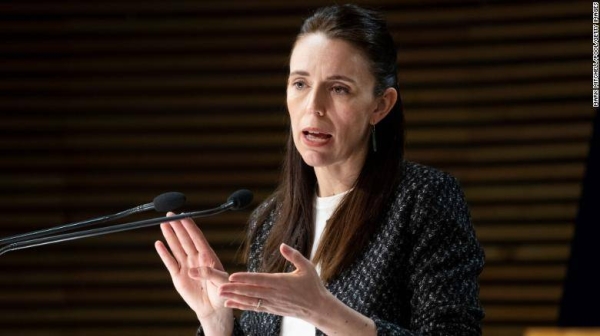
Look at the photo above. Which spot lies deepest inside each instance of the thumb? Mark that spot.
(213, 275)
(294, 256)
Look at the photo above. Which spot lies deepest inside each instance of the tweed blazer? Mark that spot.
(418, 275)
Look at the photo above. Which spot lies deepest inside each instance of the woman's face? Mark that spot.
(331, 101)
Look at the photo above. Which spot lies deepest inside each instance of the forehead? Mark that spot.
(317, 54)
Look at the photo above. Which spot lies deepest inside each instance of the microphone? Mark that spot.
(162, 203)
(236, 201)
(240, 199)
(168, 201)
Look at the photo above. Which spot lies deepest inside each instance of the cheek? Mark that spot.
(293, 118)
(294, 124)
(354, 122)
(294, 108)
(292, 105)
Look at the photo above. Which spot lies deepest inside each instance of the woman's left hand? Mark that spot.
(297, 294)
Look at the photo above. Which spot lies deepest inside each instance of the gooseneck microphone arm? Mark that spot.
(72, 226)
(164, 202)
(236, 201)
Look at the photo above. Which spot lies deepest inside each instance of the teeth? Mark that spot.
(317, 137)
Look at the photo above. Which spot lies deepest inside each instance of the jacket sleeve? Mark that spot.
(443, 267)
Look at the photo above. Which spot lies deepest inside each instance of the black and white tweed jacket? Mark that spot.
(419, 273)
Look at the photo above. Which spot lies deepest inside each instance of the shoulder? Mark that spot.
(421, 183)
(418, 176)
(426, 192)
(266, 210)
(269, 205)
(262, 217)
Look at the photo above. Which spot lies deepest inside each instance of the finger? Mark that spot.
(217, 277)
(172, 241)
(228, 289)
(167, 258)
(256, 279)
(244, 302)
(295, 257)
(200, 242)
(184, 238)
(264, 307)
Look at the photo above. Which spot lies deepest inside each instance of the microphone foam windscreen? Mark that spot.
(241, 199)
(169, 201)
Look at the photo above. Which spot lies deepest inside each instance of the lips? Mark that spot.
(315, 137)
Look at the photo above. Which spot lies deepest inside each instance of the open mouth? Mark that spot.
(316, 136)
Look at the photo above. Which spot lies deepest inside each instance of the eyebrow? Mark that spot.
(334, 77)
(299, 72)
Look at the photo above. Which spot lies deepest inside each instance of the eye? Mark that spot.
(299, 85)
(340, 90)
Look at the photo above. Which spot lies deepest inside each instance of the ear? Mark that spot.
(384, 105)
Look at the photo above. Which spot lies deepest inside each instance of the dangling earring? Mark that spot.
(374, 139)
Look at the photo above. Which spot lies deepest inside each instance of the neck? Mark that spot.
(337, 178)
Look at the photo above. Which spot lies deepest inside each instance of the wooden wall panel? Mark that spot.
(106, 104)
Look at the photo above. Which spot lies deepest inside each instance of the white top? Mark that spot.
(324, 208)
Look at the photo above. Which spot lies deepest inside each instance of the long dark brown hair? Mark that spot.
(348, 230)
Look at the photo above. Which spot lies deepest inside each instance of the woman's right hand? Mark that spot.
(197, 273)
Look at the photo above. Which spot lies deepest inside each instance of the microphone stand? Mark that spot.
(46, 232)
(115, 228)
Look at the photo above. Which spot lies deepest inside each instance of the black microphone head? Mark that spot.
(240, 199)
(168, 201)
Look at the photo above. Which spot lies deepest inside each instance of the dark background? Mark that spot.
(106, 104)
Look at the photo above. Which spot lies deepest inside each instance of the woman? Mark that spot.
(355, 241)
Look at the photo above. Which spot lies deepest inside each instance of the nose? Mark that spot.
(316, 103)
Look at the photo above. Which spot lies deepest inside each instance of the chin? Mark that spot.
(315, 159)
